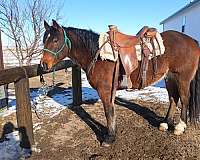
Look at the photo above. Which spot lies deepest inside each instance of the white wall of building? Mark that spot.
(192, 26)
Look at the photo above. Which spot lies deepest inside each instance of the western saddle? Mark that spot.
(144, 33)
(147, 32)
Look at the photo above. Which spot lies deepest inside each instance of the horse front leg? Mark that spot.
(109, 109)
(107, 94)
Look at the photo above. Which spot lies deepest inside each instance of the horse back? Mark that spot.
(179, 39)
(179, 45)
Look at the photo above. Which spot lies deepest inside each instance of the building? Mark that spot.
(186, 20)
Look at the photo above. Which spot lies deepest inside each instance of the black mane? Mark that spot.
(88, 37)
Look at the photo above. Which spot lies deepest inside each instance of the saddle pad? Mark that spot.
(106, 52)
(158, 45)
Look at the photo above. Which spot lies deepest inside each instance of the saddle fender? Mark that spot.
(129, 59)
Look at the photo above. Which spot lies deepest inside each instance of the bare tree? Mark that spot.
(22, 21)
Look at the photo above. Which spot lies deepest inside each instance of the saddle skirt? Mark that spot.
(127, 55)
(155, 46)
(106, 52)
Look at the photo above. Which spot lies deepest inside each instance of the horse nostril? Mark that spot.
(44, 66)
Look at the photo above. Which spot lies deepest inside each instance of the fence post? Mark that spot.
(3, 88)
(76, 86)
(23, 111)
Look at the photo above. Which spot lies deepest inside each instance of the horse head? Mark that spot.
(56, 45)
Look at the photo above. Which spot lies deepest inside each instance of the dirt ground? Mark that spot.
(77, 132)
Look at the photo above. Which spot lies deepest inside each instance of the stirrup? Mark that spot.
(126, 82)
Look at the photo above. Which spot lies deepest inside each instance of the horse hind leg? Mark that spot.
(170, 115)
(184, 80)
(184, 96)
(172, 89)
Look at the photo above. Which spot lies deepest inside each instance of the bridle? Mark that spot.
(66, 43)
(44, 89)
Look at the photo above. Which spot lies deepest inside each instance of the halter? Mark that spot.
(67, 42)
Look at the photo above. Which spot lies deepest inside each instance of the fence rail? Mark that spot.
(20, 75)
(14, 74)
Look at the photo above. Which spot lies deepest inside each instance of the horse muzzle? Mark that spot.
(44, 66)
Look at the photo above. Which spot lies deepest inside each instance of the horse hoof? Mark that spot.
(129, 90)
(180, 128)
(105, 144)
(178, 132)
(108, 141)
(163, 127)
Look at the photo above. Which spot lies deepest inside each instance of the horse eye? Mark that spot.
(55, 40)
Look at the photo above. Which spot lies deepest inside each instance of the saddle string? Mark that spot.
(154, 59)
(112, 43)
(145, 60)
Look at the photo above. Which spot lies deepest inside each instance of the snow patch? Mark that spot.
(51, 106)
(10, 148)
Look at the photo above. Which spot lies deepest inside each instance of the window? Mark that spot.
(183, 24)
(183, 29)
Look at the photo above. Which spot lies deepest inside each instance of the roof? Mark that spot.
(181, 10)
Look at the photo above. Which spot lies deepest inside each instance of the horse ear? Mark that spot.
(46, 25)
(55, 24)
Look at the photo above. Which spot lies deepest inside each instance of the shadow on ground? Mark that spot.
(146, 113)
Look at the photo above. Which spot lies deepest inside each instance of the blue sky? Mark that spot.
(129, 15)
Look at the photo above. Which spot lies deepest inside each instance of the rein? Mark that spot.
(66, 43)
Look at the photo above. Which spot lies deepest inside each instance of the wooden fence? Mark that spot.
(3, 89)
(20, 76)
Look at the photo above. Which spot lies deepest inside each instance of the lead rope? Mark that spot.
(42, 92)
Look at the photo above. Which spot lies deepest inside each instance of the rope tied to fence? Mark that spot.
(43, 91)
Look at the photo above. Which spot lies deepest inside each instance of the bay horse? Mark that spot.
(179, 65)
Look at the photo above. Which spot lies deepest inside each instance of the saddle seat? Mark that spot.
(147, 32)
(127, 40)
(128, 55)
(125, 46)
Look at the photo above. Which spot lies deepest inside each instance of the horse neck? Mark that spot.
(79, 53)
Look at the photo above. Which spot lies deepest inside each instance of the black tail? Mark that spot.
(194, 101)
